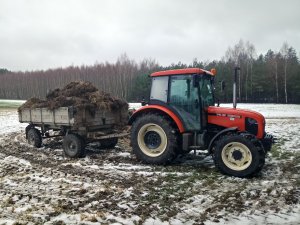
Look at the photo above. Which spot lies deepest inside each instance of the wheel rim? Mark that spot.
(152, 140)
(236, 156)
(72, 147)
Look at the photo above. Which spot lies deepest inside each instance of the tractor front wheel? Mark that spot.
(153, 139)
(238, 155)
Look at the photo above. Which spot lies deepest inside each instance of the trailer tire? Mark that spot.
(238, 155)
(109, 143)
(153, 139)
(34, 137)
(74, 146)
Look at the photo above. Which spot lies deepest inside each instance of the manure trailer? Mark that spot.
(77, 126)
(181, 116)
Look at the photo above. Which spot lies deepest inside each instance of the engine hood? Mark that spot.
(234, 117)
(233, 111)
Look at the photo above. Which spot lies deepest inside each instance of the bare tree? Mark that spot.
(276, 79)
(284, 51)
(242, 55)
(251, 54)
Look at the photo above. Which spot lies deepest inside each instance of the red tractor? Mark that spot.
(181, 116)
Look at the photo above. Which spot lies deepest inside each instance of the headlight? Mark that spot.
(251, 126)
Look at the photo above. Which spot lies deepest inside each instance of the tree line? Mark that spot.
(273, 77)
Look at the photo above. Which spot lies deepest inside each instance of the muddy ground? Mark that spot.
(43, 186)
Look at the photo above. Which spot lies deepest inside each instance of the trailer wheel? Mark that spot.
(153, 139)
(238, 155)
(74, 146)
(34, 137)
(109, 143)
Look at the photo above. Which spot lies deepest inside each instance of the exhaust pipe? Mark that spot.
(234, 85)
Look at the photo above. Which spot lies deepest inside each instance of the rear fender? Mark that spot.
(157, 109)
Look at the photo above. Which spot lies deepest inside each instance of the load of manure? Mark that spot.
(80, 95)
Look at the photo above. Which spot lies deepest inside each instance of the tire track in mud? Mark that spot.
(69, 188)
(54, 159)
(112, 184)
(52, 155)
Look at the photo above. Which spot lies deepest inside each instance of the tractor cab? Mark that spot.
(187, 93)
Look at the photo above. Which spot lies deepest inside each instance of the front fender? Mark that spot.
(218, 135)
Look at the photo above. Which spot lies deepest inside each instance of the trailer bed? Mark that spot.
(71, 117)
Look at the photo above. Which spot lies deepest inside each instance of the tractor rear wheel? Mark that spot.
(239, 155)
(153, 139)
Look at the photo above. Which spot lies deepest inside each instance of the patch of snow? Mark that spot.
(22, 209)
(9, 121)
(290, 217)
(286, 131)
(11, 101)
(18, 161)
(124, 154)
(132, 220)
(7, 222)
(94, 167)
(9, 182)
(135, 106)
(67, 219)
(155, 221)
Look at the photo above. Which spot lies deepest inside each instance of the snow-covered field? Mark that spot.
(42, 186)
(271, 110)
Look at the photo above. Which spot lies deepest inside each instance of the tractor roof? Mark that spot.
(182, 72)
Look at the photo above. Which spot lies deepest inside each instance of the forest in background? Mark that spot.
(273, 77)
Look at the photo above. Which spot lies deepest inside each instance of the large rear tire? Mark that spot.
(34, 137)
(153, 139)
(239, 155)
(74, 146)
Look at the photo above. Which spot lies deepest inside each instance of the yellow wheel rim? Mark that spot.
(152, 140)
(236, 156)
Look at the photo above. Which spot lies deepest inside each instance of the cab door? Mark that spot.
(184, 99)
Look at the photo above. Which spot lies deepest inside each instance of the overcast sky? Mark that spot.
(41, 34)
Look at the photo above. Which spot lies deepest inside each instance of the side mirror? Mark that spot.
(196, 80)
(223, 85)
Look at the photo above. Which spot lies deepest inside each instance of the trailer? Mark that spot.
(77, 125)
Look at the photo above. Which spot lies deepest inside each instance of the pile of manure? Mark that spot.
(80, 95)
